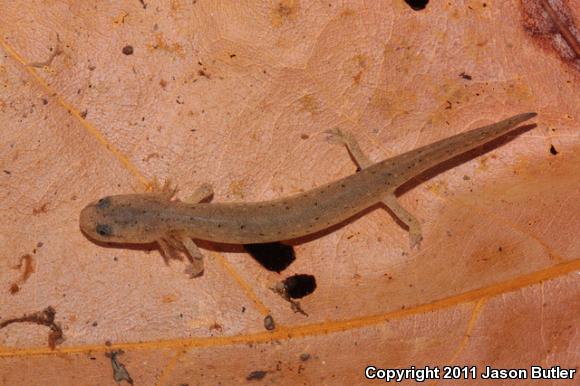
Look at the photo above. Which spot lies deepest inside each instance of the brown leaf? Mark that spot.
(98, 98)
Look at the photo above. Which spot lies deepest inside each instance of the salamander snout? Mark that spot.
(97, 223)
(123, 218)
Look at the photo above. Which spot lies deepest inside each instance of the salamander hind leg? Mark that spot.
(202, 193)
(415, 235)
(341, 137)
(347, 139)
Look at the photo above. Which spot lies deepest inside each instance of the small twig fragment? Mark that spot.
(43, 318)
(120, 372)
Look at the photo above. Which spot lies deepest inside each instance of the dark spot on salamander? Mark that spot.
(104, 203)
(219, 225)
(242, 226)
(287, 207)
(104, 230)
(316, 204)
(343, 186)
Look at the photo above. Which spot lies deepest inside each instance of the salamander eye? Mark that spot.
(104, 230)
(104, 203)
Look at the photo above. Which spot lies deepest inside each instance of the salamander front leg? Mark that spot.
(172, 244)
(166, 190)
(347, 139)
(195, 257)
(175, 246)
(203, 193)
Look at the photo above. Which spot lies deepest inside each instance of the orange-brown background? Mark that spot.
(238, 94)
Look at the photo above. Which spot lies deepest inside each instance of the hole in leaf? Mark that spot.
(272, 256)
(417, 5)
(298, 286)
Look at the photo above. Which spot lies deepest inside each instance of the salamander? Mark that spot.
(172, 224)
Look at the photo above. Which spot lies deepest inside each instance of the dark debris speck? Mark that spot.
(256, 375)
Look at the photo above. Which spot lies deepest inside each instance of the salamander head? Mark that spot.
(117, 219)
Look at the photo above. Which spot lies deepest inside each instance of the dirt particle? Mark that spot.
(26, 264)
(269, 323)
(204, 74)
(216, 327)
(42, 209)
(256, 375)
(14, 288)
(466, 76)
(128, 50)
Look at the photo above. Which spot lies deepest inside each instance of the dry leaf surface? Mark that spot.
(98, 98)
